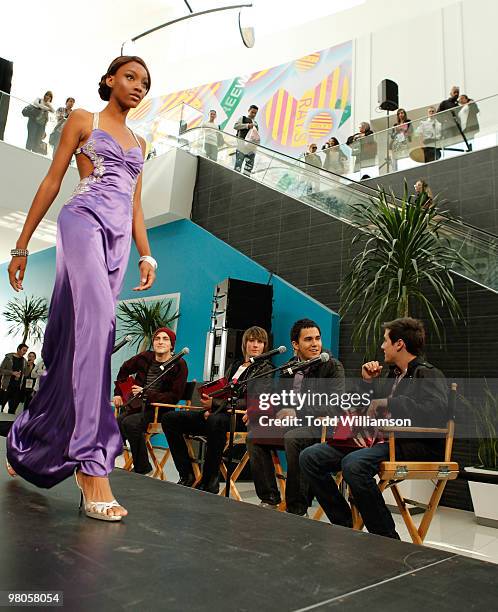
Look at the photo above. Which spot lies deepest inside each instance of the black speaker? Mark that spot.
(234, 345)
(6, 70)
(388, 95)
(248, 304)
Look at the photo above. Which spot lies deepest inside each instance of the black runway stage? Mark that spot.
(187, 550)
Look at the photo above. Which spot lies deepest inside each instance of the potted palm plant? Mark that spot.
(485, 495)
(404, 251)
(140, 319)
(26, 316)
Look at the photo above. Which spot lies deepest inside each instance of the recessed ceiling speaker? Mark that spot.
(387, 94)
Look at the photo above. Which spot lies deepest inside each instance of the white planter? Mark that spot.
(484, 498)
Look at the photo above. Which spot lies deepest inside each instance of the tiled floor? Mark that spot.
(452, 530)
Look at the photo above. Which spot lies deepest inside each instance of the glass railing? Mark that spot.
(22, 124)
(163, 129)
(469, 127)
(333, 194)
(439, 136)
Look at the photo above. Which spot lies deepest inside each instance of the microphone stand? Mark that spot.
(235, 391)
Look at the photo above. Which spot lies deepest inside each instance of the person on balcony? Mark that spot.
(401, 135)
(247, 129)
(314, 163)
(467, 116)
(335, 160)
(37, 121)
(61, 114)
(449, 116)
(212, 136)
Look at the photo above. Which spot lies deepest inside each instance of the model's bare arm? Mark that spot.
(47, 191)
(147, 272)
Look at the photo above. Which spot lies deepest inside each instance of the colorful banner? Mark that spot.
(306, 100)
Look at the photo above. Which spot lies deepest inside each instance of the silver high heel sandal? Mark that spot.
(97, 510)
(10, 470)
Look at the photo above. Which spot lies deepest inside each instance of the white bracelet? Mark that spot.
(149, 260)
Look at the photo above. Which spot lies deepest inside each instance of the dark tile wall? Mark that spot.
(467, 185)
(312, 251)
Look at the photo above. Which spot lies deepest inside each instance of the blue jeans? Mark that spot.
(359, 467)
(239, 161)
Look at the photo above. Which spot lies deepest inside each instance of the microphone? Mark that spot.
(276, 351)
(120, 345)
(302, 365)
(175, 358)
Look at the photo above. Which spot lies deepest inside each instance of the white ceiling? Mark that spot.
(66, 47)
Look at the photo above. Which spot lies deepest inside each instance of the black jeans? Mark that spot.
(133, 427)
(298, 494)
(179, 423)
(359, 468)
(12, 396)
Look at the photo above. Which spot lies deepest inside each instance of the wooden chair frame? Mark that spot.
(155, 428)
(393, 472)
(240, 438)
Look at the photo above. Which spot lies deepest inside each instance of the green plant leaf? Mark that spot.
(26, 316)
(403, 247)
(141, 318)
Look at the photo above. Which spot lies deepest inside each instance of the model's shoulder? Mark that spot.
(80, 116)
(79, 121)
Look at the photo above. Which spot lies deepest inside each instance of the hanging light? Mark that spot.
(246, 31)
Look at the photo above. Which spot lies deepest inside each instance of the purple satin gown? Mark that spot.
(70, 423)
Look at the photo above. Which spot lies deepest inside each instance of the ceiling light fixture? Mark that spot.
(246, 32)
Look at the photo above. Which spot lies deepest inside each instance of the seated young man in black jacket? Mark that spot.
(146, 367)
(413, 389)
(307, 344)
(215, 421)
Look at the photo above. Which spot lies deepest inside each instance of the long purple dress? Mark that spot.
(70, 423)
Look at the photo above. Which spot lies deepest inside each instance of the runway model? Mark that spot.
(70, 426)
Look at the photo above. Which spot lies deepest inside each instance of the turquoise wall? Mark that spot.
(191, 262)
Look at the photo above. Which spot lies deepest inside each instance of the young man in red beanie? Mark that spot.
(146, 367)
